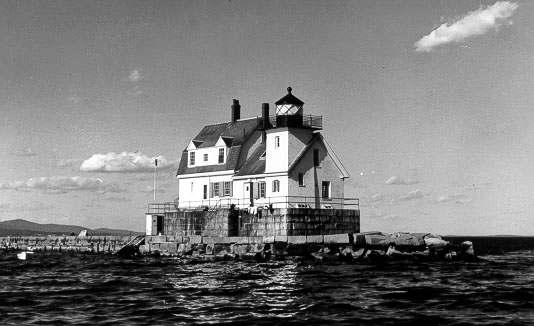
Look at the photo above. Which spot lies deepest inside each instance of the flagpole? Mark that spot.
(155, 172)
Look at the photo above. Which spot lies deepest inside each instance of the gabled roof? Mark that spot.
(255, 164)
(289, 99)
(318, 137)
(238, 131)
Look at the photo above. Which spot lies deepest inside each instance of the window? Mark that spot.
(277, 141)
(301, 179)
(191, 187)
(261, 192)
(216, 189)
(276, 186)
(221, 155)
(326, 189)
(205, 157)
(315, 157)
(191, 158)
(205, 192)
(227, 189)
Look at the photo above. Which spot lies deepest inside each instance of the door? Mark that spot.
(248, 192)
(159, 225)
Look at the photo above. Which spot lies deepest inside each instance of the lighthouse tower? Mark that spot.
(291, 130)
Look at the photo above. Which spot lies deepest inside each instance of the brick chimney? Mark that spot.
(265, 118)
(236, 110)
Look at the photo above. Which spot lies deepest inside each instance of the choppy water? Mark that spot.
(89, 290)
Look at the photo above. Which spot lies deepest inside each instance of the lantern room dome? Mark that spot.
(289, 104)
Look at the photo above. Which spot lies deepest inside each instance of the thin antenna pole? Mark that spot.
(155, 173)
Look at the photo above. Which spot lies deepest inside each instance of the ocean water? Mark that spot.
(61, 289)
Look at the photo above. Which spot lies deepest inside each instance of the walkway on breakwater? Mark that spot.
(87, 244)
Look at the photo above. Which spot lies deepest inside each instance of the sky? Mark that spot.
(427, 103)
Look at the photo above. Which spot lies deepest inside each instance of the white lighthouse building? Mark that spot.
(279, 160)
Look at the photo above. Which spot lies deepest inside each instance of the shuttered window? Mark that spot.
(216, 189)
(261, 192)
(221, 189)
(227, 189)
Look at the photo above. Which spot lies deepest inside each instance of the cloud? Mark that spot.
(415, 194)
(135, 76)
(475, 23)
(456, 198)
(25, 152)
(124, 162)
(61, 184)
(394, 180)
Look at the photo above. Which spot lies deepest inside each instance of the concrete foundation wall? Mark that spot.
(224, 222)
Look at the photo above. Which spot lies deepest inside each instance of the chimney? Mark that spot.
(265, 116)
(236, 110)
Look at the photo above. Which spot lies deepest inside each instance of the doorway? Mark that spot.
(159, 225)
(248, 192)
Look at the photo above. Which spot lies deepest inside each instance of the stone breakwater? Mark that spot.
(88, 244)
(373, 246)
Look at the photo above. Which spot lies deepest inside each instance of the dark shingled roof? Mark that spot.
(231, 162)
(238, 131)
(255, 164)
(289, 99)
(234, 135)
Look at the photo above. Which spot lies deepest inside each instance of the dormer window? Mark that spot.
(191, 158)
(221, 155)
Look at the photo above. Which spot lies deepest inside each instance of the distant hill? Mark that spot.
(22, 227)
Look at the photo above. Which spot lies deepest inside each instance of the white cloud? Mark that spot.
(124, 162)
(415, 194)
(61, 184)
(376, 198)
(456, 198)
(477, 22)
(135, 76)
(25, 152)
(394, 180)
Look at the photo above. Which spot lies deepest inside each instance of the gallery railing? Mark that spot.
(297, 120)
(267, 202)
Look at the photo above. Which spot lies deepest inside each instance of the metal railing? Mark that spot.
(274, 202)
(297, 120)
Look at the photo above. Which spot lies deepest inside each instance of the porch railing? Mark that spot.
(275, 202)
